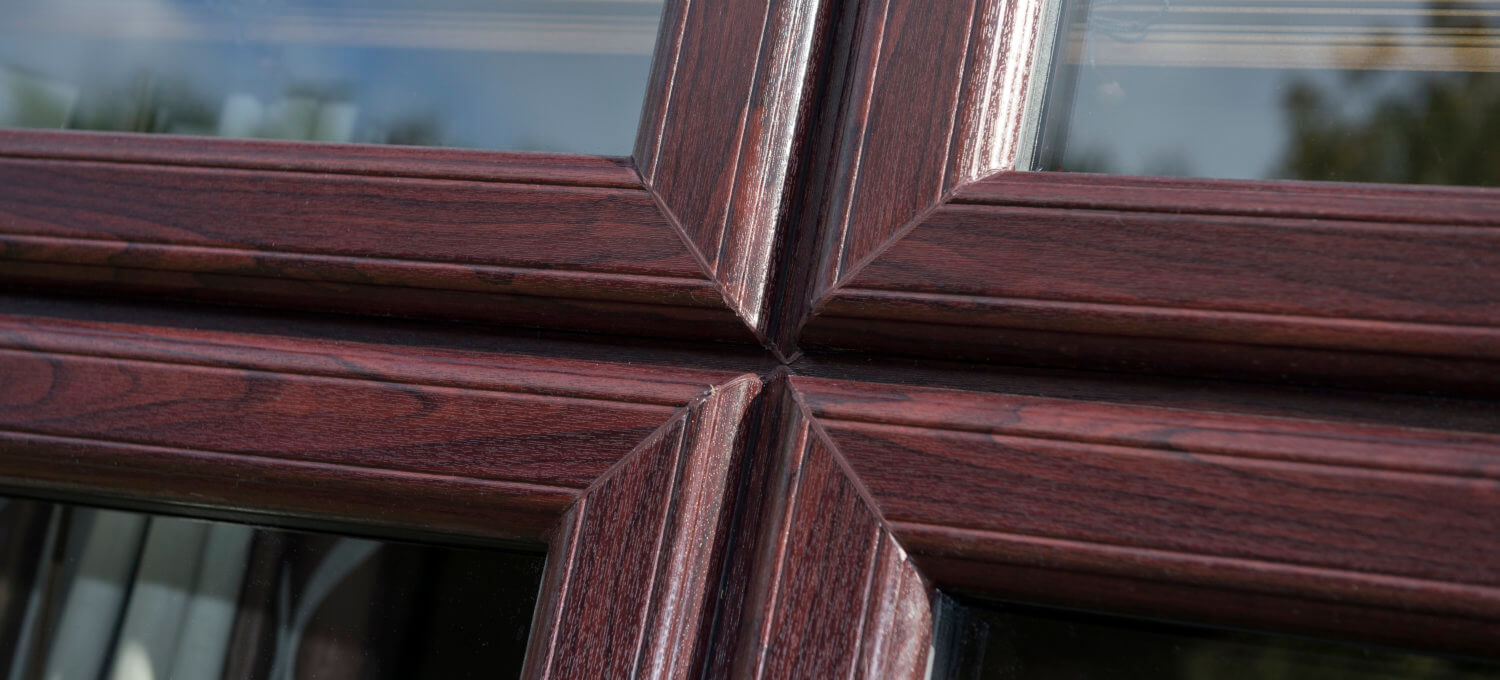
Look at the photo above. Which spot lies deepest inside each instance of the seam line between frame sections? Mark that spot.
(574, 492)
(1205, 455)
(1149, 554)
(308, 168)
(452, 386)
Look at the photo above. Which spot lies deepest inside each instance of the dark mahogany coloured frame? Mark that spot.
(923, 236)
(621, 472)
(738, 523)
(1265, 509)
(675, 241)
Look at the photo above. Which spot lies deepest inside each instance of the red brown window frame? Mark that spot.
(1257, 507)
(623, 473)
(674, 241)
(926, 236)
(915, 235)
(923, 235)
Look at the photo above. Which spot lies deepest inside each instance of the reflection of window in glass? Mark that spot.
(88, 593)
(1345, 90)
(551, 75)
(987, 641)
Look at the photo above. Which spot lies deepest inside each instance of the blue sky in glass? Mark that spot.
(558, 89)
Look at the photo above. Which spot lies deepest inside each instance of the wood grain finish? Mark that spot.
(443, 440)
(847, 166)
(679, 249)
(322, 236)
(1372, 271)
(823, 589)
(517, 229)
(930, 104)
(1128, 507)
(633, 571)
(932, 243)
(627, 471)
(731, 90)
(526, 167)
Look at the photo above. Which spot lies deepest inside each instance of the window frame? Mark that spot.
(451, 445)
(868, 496)
(842, 178)
(668, 243)
(931, 239)
(923, 235)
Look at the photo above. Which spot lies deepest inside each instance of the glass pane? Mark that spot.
(90, 593)
(527, 75)
(1345, 90)
(991, 641)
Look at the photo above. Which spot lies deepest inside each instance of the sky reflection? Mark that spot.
(532, 75)
(1358, 90)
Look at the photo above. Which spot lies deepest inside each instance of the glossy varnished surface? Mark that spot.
(347, 159)
(624, 469)
(732, 88)
(1114, 505)
(929, 243)
(817, 584)
(555, 238)
(843, 162)
(258, 420)
(634, 567)
(1226, 262)
(663, 245)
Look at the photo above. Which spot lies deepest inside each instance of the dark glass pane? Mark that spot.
(90, 593)
(1346, 90)
(544, 75)
(992, 641)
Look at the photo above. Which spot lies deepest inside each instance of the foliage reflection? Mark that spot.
(1366, 91)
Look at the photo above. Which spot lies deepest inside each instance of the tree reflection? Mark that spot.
(148, 102)
(28, 100)
(1444, 133)
(1441, 128)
